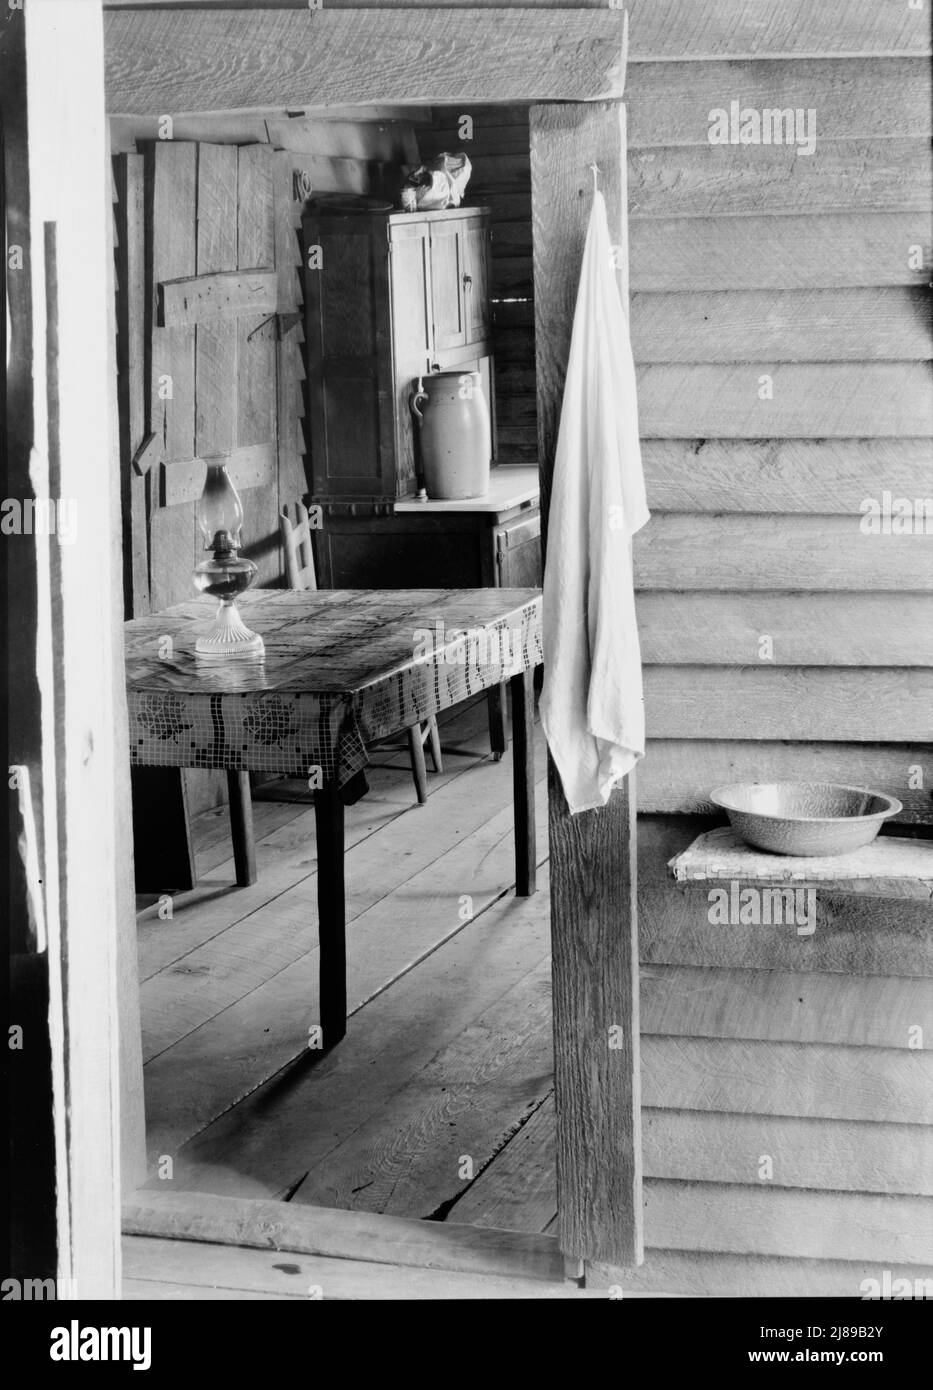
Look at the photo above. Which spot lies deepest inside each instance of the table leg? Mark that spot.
(331, 909)
(523, 782)
(418, 769)
(241, 827)
(497, 704)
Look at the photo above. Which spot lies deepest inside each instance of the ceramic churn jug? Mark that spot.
(456, 438)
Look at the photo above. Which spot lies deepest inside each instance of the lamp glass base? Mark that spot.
(230, 639)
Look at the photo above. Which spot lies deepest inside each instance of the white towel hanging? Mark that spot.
(592, 707)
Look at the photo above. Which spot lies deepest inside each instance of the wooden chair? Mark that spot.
(295, 530)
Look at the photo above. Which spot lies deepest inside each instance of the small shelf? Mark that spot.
(510, 486)
(890, 867)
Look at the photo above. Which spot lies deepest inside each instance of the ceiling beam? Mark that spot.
(178, 62)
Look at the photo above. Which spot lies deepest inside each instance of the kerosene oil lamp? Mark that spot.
(226, 574)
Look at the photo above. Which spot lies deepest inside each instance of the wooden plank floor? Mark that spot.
(432, 1125)
(448, 1054)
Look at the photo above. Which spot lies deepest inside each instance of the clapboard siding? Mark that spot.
(670, 103)
(806, 399)
(793, 552)
(812, 1225)
(808, 629)
(774, 1078)
(783, 475)
(845, 250)
(782, 325)
(785, 1006)
(795, 702)
(737, 180)
(826, 1155)
(677, 775)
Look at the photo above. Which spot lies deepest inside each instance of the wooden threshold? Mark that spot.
(259, 1224)
(197, 1246)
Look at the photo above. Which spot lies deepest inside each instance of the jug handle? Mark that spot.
(419, 395)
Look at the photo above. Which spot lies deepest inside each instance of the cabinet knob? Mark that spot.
(468, 281)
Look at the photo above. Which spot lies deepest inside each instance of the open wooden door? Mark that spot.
(209, 354)
(202, 331)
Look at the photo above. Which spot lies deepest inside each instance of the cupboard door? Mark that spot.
(447, 271)
(476, 252)
(348, 359)
(518, 553)
(410, 294)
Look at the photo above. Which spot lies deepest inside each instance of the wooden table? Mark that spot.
(343, 669)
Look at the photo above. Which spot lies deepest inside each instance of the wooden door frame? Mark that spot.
(81, 772)
(176, 61)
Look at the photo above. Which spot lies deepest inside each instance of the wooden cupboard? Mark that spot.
(389, 297)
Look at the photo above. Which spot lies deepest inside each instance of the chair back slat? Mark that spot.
(295, 530)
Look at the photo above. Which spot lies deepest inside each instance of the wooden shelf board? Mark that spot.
(890, 867)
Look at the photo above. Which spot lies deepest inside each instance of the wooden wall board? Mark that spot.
(733, 180)
(660, 29)
(824, 1081)
(790, 552)
(676, 775)
(819, 399)
(782, 325)
(789, 702)
(769, 1221)
(811, 476)
(192, 61)
(807, 250)
(808, 629)
(823, 1155)
(670, 103)
(698, 1274)
(785, 1006)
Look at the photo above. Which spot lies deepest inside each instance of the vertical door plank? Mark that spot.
(125, 289)
(131, 361)
(291, 373)
(593, 915)
(173, 191)
(216, 358)
(257, 352)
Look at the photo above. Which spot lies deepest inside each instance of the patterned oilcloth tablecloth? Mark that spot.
(343, 668)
